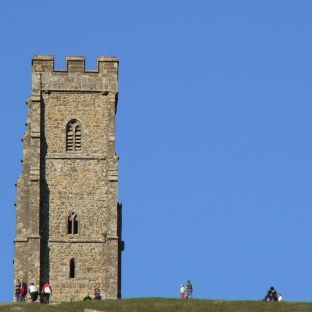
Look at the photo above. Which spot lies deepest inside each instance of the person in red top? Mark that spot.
(47, 292)
(22, 290)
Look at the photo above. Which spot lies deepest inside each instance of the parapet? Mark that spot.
(45, 63)
(74, 77)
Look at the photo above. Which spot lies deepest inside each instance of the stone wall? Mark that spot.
(56, 182)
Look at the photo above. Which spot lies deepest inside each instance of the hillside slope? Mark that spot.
(163, 305)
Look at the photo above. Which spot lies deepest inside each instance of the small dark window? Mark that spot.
(72, 224)
(73, 135)
(72, 268)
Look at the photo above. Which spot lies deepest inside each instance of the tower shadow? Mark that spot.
(44, 206)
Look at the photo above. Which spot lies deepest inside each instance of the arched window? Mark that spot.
(72, 268)
(72, 224)
(73, 135)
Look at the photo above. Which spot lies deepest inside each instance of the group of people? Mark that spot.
(97, 294)
(186, 291)
(21, 291)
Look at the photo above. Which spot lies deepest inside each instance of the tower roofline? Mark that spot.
(45, 63)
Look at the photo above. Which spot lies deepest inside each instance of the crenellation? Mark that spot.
(75, 64)
(42, 63)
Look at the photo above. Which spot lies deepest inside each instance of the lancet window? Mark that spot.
(72, 226)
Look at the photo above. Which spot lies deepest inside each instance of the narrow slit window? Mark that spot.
(72, 224)
(72, 268)
(73, 135)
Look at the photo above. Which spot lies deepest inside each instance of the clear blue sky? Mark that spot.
(214, 136)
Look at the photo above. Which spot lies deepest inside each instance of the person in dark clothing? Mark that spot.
(33, 291)
(271, 295)
(189, 289)
(97, 293)
(17, 291)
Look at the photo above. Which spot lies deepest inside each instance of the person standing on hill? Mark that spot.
(22, 290)
(17, 291)
(182, 292)
(33, 291)
(47, 292)
(189, 289)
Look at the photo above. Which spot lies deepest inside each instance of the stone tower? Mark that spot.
(68, 228)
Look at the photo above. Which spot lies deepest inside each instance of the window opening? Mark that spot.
(73, 135)
(72, 267)
(72, 227)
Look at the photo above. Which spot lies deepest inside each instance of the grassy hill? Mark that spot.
(162, 305)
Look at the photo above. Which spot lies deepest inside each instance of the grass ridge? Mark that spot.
(162, 305)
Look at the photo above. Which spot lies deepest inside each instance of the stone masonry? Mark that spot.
(68, 227)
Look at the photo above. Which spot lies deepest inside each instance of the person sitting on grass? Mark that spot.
(271, 295)
(97, 293)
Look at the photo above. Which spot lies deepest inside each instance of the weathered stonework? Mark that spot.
(83, 181)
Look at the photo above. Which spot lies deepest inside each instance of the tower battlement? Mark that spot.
(75, 77)
(74, 64)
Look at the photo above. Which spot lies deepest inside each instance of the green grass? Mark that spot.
(162, 305)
